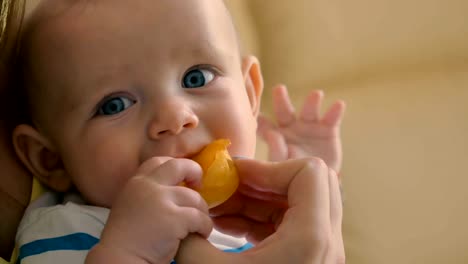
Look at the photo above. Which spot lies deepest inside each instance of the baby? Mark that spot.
(120, 94)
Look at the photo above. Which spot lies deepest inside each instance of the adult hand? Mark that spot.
(292, 208)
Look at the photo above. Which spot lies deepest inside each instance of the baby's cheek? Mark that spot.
(104, 177)
(243, 144)
(242, 136)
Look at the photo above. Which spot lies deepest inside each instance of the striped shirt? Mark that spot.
(64, 233)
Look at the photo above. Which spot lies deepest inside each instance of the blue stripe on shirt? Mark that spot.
(77, 241)
(233, 250)
(240, 249)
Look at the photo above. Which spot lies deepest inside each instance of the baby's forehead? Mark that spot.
(71, 25)
(80, 42)
(168, 11)
(74, 20)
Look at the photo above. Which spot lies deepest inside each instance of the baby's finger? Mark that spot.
(195, 221)
(264, 124)
(282, 107)
(311, 109)
(175, 171)
(151, 164)
(277, 147)
(185, 197)
(335, 114)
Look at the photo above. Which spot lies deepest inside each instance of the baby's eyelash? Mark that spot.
(106, 99)
(207, 67)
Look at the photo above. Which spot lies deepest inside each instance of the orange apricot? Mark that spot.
(220, 179)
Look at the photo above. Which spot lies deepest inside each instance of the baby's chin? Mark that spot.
(101, 199)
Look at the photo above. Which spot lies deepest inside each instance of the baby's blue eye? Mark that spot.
(197, 78)
(115, 105)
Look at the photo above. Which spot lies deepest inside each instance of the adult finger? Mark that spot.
(282, 106)
(335, 253)
(304, 181)
(311, 110)
(264, 211)
(276, 177)
(309, 208)
(336, 204)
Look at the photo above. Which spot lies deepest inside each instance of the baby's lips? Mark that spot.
(220, 179)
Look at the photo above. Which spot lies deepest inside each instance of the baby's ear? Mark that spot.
(37, 154)
(253, 81)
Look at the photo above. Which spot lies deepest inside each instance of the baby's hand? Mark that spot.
(306, 134)
(153, 213)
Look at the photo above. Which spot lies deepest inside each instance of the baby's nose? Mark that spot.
(172, 121)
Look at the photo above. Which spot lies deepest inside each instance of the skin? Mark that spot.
(132, 62)
(293, 135)
(308, 187)
(308, 232)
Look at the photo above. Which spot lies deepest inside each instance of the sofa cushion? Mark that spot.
(324, 42)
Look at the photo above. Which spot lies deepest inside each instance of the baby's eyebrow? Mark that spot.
(206, 50)
(90, 93)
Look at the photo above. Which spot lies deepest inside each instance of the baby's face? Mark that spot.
(123, 81)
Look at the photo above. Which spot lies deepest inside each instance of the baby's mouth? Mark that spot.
(190, 153)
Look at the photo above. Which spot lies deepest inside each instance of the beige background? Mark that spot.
(402, 68)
